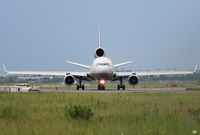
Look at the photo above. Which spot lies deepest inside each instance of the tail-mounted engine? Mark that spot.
(133, 80)
(69, 80)
(99, 52)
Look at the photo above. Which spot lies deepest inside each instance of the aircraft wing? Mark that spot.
(46, 73)
(122, 64)
(154, 73)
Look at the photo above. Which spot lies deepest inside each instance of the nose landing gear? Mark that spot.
(101, 84)
(101, 87)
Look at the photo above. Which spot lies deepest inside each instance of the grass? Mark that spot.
(197, 88)
(78, 112)
(113, 113)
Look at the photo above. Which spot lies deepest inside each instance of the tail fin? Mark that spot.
(99, 37)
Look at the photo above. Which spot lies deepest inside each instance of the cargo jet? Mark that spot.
(101, 70)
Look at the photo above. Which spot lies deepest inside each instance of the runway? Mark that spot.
(122, 91)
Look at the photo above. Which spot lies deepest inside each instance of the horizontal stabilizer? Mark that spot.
(79, 65)
(122, 64)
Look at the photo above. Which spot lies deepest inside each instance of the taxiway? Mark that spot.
(122, 91)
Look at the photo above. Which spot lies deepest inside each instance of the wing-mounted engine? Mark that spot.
(133, 80)
(99, 52)
(69, 80)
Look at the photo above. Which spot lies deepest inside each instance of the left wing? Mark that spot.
(122, 64)
(149, 73)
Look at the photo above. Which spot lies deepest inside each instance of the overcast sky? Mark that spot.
(43, 34)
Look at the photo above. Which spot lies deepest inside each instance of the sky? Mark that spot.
(154, 34)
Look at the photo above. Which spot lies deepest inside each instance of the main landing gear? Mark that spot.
(80, 86)
(101, 87)
(121, 85)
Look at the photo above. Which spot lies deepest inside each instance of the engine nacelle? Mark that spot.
(99, 52)
(69, 80)
(133, 80)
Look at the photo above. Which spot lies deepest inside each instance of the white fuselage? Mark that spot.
(102, 68)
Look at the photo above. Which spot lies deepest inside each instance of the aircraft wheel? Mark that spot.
(83, 87)
(123, 87)
(77, 87)
(118, 87)
(102, 87)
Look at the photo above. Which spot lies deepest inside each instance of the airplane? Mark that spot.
(3, 75)
(102, 70)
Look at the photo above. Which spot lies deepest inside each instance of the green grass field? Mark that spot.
(114, 113)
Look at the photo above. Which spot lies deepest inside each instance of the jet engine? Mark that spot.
(133, 80)
(69, 80)
(99, 52)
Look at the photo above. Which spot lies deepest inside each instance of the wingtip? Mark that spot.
(4, 68)
(130, 62)
(68, 62)
(195, 69)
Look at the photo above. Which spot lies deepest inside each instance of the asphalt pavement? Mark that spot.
(123, 91)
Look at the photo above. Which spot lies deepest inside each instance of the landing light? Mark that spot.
(102, 82)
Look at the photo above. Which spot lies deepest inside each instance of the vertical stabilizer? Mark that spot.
(99, 37)
(99, 52)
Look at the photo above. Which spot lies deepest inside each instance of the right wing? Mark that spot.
(46, 73)
(79, 65)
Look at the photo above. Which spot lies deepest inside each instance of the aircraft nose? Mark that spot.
(105, 70)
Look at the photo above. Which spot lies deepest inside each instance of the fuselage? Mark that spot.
(102, 68)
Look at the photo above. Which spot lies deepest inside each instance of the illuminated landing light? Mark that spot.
(102, 82)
